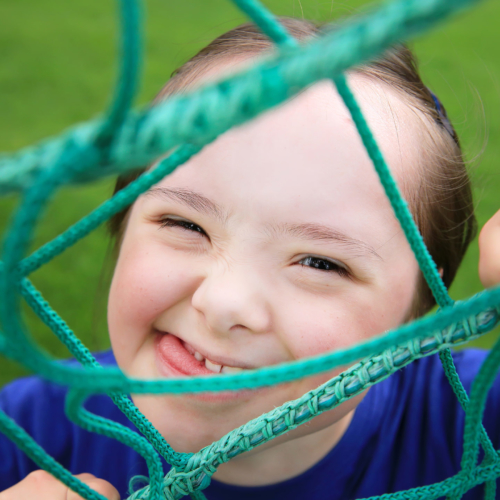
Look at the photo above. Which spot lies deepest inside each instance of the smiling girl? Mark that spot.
(275, 243)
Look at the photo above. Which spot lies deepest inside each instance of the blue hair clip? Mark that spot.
(443, 117)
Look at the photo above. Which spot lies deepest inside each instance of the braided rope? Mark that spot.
(124, 140)
(339, 389)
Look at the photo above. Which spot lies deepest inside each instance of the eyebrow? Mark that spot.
(323, 234)
(306, 231)
(191, 199)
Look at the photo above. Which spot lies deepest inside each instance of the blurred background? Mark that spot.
(58, 66)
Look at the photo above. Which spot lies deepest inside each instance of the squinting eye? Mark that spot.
(182, 223)
(324, 265)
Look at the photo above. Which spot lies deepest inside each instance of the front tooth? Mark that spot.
(214, 367)
(231, 369)
(198, 356)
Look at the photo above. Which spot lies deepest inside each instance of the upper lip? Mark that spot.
(220, 360)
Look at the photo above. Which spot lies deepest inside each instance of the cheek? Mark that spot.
(318, 325)
(145, 284)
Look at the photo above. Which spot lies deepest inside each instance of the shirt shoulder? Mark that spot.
(422, 429)
(423, 392)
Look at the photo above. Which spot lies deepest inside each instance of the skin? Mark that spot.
(236, 282)
(41, 485)
(489, 246)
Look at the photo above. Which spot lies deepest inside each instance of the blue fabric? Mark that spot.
(407, 432)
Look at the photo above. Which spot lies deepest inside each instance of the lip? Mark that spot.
(173, 359)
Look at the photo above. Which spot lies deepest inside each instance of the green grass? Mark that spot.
(58, 68)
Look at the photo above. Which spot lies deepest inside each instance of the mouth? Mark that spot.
(177, 358)
(185, 359)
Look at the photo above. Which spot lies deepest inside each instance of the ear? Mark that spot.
(489, 252)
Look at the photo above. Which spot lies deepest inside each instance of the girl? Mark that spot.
(275, 243)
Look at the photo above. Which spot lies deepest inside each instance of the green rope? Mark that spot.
(109, 208)
(400, 207)
(124, 140)
(129, 74)
(473, 417)
(463, 399)
(94, 423)
(105, 380)
(267, 23)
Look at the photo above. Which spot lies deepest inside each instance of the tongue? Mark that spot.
(173, 353)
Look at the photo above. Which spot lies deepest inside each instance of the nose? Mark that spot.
(233, 298)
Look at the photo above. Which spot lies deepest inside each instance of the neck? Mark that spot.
(282, 459)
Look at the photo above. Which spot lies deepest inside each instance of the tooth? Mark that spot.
(214, 367)
(198, 356)
(231, 369)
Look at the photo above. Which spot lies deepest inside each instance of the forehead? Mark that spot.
(304, 162)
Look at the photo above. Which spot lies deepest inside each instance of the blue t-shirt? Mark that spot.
(407, 432)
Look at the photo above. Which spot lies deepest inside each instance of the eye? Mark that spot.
(323, 264)
(182, 223)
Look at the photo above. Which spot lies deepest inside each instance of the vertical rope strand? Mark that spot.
(128, 77)
(454, 380)
(479, 391)
(399, 205)
(267, 23)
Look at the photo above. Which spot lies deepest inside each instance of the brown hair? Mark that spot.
(441, 200)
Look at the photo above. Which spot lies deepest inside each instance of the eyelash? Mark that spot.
(324, 265)
(183, 224)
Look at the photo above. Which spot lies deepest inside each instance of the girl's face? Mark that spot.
(273, 244)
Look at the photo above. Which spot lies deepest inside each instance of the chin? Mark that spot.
(191, 422)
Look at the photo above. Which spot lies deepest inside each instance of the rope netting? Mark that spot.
(125, 139)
